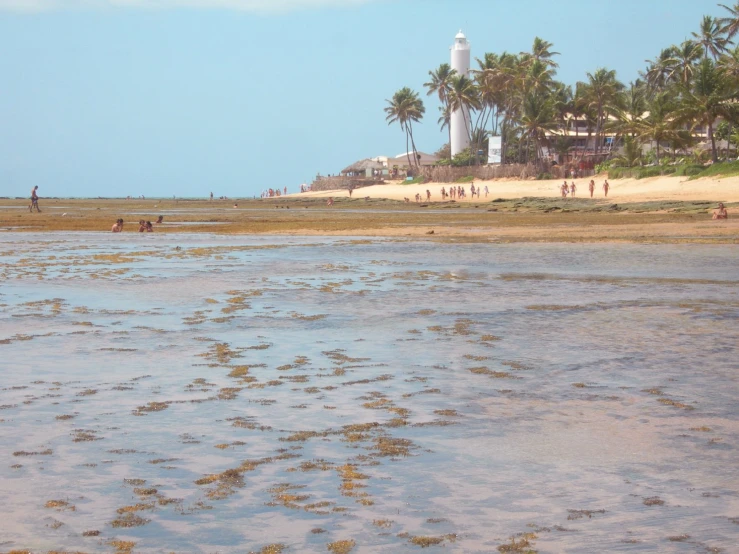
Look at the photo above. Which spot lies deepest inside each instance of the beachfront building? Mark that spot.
(460, 119)
(575, 142)
(363, 168)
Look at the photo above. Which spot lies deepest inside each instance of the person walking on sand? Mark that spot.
(606, 186)
(34, 200)
(573, 189)
(720, 212)
(211, 197)
(591, 187)
(428, 195)
(486, 191)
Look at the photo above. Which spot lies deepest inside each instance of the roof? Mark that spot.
(361, 166)
(402, 159)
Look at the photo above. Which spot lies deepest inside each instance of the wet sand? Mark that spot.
(530, 219)
(199, 393)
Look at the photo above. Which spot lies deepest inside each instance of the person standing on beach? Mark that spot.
(211, 197)
(486, 191)
(428, 195)
(573, 189)
(591, 187)
(34, 200)
(606, 186)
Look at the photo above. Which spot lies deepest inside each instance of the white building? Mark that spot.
(460, 119)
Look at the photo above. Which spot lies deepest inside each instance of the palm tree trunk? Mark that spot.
(407, 152)
(714, 155)
(413, 145)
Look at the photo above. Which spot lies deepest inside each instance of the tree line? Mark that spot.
(686, 87)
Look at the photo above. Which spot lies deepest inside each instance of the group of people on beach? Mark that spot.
(144, 226)
(571, 189)
(273, 193)
(459, 192)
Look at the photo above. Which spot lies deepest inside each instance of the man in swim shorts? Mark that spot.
(34, 199)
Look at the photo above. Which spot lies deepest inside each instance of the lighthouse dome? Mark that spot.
(460, 35)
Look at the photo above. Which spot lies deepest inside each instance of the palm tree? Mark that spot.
(601, 93)
(445, 119)
(659, 70)
(539, 77)
(540, 52)
(660, 125)
(710, 36)
(464, 96)
(711, 96)
(632, 153)
(630, 116)
(440, 84)
(537, 118)
(685, 57)
(730, 25)
(729, 62)
(562, 102)
(406, 107)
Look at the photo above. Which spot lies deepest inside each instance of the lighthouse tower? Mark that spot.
(460, 119)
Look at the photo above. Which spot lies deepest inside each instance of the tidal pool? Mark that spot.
(198, 393)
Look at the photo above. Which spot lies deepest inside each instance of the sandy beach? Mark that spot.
(665, 188)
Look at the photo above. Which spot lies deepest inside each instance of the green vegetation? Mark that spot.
(683, 97)
(726, 169)
(693, 171)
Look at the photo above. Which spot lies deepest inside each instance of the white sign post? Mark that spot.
(494, 150)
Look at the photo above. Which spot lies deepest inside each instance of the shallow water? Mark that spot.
(304, 391)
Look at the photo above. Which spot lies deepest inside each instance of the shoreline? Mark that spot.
(661, 209)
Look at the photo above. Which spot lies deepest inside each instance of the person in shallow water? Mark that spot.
(142, 225)
(720, 212)
(149, 228)
(117, 226)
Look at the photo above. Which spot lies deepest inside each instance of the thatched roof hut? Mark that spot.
(361, 167)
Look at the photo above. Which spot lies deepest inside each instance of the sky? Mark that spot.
(187, 97)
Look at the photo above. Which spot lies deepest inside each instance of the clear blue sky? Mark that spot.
(111, 98)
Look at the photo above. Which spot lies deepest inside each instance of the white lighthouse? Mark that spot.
(460, 119)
